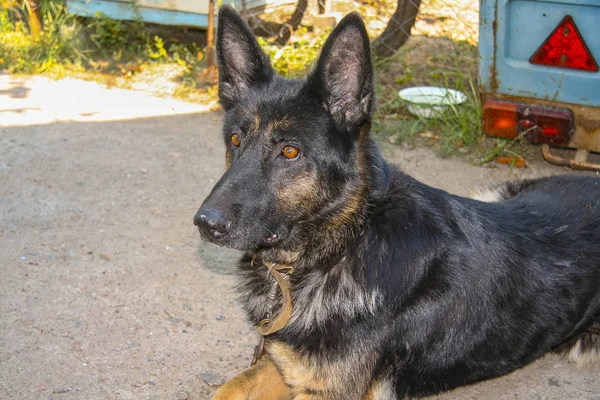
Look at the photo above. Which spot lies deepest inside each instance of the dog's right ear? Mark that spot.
(242, 63)
(343, 77)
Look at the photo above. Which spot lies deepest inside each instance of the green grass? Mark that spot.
(295, 59)
(59, 42)
(69, 44)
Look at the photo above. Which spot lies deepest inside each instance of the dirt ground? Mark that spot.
(106, 290)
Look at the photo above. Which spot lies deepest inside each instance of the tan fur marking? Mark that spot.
(486, 195)
(349, 210)
(283, 374)
(289, 257)
(357, 198)
(370, 395)
(228, 158)
(299, 373)
(305, 396)
(277, 124)
(590, 357)
(257, 122)
(380, 390)
(300, 195)
(280, 124)
(313, 378)
(263, 381)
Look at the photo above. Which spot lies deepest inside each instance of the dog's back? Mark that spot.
(569, 199)
(485, 288)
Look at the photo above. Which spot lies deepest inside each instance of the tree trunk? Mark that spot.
(398, 29)
(324, 6)
(282, 31)
(210, 41)
(35, 18)
(286, 30)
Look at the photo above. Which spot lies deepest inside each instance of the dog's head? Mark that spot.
(295, 149)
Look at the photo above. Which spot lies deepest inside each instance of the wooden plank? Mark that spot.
(191, 6)
(193, 13)
(125, 11)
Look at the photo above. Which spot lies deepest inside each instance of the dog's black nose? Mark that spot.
(211, 222)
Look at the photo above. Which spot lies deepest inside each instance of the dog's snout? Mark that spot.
(212, 223)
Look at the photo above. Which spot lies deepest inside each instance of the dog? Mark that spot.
(365, 283)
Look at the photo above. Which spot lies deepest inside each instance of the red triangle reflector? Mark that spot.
(565, 48)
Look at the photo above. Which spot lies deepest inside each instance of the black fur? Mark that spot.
(410, 286)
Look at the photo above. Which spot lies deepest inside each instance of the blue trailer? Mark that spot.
(539, 76)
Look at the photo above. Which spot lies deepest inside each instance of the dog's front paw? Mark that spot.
(232, 391)
(238, 389)
(263, 381)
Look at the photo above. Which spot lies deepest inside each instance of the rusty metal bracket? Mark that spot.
(579, 162)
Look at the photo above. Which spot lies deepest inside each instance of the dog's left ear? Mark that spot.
(242, 63)
(343, 77)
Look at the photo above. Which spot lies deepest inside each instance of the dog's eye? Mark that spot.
(236, 139)
(290, 152)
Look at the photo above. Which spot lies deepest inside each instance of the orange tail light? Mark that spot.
(538, 124)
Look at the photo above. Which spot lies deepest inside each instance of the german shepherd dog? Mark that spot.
(398, 289)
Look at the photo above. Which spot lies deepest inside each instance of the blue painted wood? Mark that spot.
(125, 11)
(510, 33)
(157, 11)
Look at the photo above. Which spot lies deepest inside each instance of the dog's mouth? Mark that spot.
(241, 239)
(272, 239)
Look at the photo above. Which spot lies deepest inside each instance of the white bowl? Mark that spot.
(430, 101)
